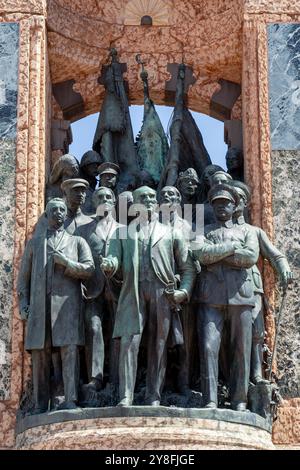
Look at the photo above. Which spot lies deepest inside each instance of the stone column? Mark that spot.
(272, 150)
(23, 170)
(284, 98)
(256, 143)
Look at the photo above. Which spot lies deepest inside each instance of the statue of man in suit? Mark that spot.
(101, 294)
(147, 257)
(170, 208)
(226, 252)
(53, 266)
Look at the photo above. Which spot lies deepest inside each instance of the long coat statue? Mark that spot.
(49, 289)
(66, 310)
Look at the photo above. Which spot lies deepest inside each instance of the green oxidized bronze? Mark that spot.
(152, 145)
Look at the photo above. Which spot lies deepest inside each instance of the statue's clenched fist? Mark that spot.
(106, 265)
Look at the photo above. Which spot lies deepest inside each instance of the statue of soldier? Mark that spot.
(109, 175)
(170, 205)
(205, 183)
(65, 167)
(213, 177)
(75, 193)
(235, 163)
(279, 262)
(226, 252)
(147, 258)
(188, 183)
(101, 294)
(188, 186)
(219, 177)
(49, 288)
(89, 167)
(113, 138)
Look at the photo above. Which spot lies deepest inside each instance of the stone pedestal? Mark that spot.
(144, 428)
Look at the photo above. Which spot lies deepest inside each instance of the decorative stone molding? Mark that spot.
(34, 7)
(158, 10)
(142, 428)
(286, 429)
(207, 37)
(31, 154)
(271, 6)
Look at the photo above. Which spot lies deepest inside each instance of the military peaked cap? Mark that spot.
(223, 191)
(108, 167)
(74, 183)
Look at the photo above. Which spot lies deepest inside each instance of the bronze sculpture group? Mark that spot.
(95, 285)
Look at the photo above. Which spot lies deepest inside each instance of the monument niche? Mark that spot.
(142, 287)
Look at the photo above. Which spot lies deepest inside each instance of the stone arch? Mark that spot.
(206, 35)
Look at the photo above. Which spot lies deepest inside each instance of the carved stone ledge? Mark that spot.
(144, 427)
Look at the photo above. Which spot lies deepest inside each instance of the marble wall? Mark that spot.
(284, 85)
(9, 50)
(284, 105)
(286, 213)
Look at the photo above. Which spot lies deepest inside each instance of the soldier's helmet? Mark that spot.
(90, 157)
(190, 173)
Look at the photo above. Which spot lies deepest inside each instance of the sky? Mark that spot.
(212, 132)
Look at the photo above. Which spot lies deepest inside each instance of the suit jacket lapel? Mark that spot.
(112, 227)
(133, 249)
(60, 240)
(158, 232)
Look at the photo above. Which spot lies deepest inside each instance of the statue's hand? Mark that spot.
(106, 265)
(59, 258)
(24, 312)
(179, 296)
(286, 277)
(237, 246)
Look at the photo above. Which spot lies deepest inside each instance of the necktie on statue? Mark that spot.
(141, 236)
